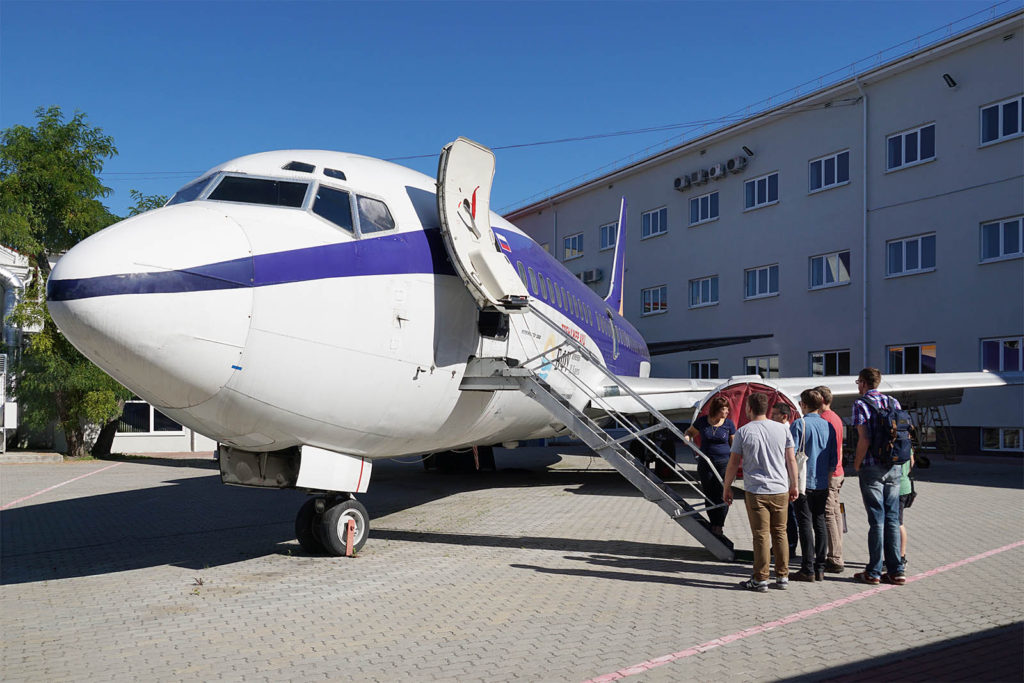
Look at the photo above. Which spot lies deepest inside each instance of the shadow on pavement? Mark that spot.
(635, 551)
(197, 522)
(995, 654)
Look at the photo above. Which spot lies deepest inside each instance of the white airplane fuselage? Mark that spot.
(270, 326)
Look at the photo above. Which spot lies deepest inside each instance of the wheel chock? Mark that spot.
(350, 535)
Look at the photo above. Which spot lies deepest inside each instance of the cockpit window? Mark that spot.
(373, 215)
(190, 192)
(334, 173)
(335, 206)
(260, 191)
(300, 166)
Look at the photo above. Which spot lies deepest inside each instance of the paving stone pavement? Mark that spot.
(549, 569)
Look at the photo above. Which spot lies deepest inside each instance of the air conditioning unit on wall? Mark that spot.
(683, 183)
(717, 172)
(593, 275)
(736, 164)
(699, 177)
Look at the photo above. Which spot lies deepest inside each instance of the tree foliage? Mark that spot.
(49, 186)
(49, 201)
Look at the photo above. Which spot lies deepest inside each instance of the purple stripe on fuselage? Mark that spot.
(402, 253)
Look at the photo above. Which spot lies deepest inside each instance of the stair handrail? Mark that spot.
(611, 376)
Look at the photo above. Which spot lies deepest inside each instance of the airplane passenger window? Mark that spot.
(335, 206)
(190, 192)
(522, 272)
(373, 215)
(533, 282)
(543, 287)
(551, 291)
(260, 191)
(558, 294)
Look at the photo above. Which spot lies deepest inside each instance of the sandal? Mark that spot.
(895, 580)
(862, 577)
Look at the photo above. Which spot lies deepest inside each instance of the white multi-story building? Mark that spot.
(874, 222)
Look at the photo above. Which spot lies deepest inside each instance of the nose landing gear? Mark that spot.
(321, 525)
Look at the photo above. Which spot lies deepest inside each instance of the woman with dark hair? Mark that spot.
(715, 431)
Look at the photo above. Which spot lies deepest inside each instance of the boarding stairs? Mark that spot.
(642, 432)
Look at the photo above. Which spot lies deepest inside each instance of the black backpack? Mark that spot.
(889, 430)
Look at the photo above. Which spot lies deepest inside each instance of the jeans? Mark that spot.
(712, 488)
(880, 489)
(810, 515)
(834, 521)
(767, 515)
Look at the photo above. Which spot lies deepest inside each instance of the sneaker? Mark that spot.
(781, 583)
(834, 568)
(751, 585)
(819, 575)
(864, 577)
(894, 579)
(803, 575)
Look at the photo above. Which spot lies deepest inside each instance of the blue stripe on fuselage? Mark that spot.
(403, 253)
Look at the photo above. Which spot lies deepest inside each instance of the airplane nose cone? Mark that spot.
(162, 302)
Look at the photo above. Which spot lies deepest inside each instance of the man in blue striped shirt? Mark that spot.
(879, 487)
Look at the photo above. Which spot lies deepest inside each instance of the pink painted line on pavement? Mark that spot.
(792, 618)
(57, 486)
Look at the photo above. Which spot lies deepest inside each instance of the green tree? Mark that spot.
(50, 200)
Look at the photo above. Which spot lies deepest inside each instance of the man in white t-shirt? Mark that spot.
(765, 450)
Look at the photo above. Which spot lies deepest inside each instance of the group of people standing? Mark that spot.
(778, 487)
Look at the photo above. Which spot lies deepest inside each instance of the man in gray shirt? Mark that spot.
(765, 449)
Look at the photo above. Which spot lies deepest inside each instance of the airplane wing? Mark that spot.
(662, 348)
(912, 391)
(677, 397)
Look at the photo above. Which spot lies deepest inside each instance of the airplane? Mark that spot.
(313, 311)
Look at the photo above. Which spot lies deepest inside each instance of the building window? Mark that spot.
(1002, 239)
(911, 255)
(573, 246)
(546, 247)
(761, 191)
(913, 359)
(830, 363)
(608, 235)
(829, 171)
(1002, 438)
(654, 300)
(654, 223)
(829, 270)
(704, 208)
(141, 418)
(763, 281)
(1002, 120)
(704, 291)
(1002, 354)
(766, 366)
(704, 369)
(910, 147)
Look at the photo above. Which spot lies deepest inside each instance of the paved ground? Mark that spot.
(545, 570)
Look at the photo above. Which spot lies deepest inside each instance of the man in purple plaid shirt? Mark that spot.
(879, 487)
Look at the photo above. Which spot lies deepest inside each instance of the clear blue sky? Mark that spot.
(183, 86)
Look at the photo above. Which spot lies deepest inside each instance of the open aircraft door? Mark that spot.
(736, 390)
(464, 176)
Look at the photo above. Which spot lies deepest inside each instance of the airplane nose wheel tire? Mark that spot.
(334, 526)
(307, 531)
